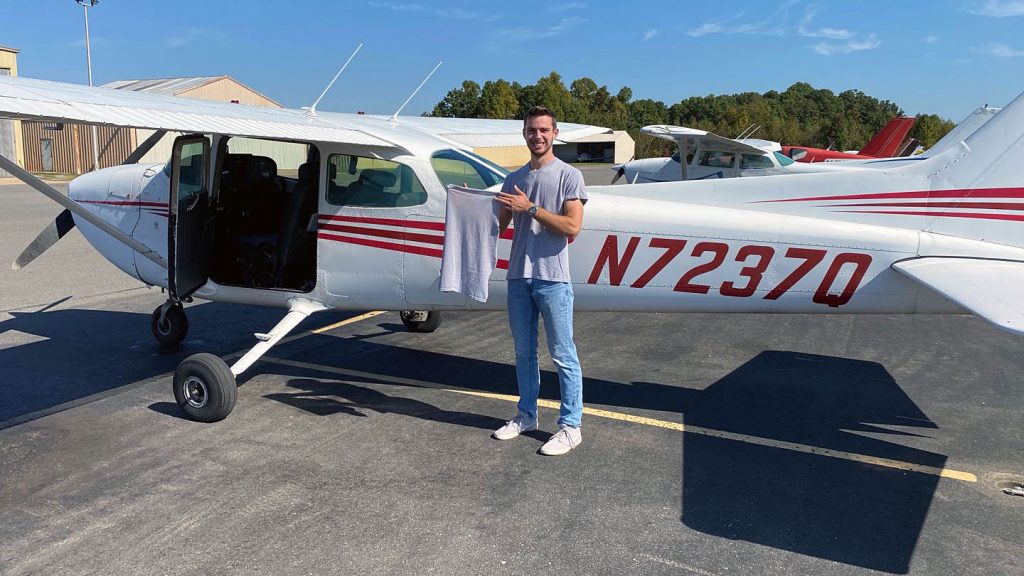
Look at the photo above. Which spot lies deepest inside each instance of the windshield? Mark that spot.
(783, 159)
(462, 168)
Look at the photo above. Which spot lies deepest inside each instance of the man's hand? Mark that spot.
(516, 201)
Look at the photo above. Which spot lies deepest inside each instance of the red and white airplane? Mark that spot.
(887, 143)
(361, 224)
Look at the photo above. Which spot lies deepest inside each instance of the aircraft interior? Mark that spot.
(264, 223)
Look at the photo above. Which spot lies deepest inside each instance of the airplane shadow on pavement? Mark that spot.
(845, 511)
(849, 512)
(831, 508)
(69, 354)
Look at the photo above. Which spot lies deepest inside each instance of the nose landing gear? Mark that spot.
(169, 323)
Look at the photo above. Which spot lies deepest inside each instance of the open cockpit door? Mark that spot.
(188, 226)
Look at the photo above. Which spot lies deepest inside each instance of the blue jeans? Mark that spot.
(528, 298)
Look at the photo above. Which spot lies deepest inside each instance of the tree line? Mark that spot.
(800, 115)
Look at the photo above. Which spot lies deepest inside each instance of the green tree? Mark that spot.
(461, 102)
(929, 128)
(498, 100)
(646, 112)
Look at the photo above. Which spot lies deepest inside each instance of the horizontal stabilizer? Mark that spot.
(991, 289)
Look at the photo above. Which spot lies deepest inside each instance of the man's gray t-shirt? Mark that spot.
(536, 251)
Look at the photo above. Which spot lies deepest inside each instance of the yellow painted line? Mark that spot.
(352, 320)
(804, 448)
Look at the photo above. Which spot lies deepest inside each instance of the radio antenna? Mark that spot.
(312, 109)
(394, 117)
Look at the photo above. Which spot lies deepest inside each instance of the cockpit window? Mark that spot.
(357, 181)
(466, 169)
(717, 159)
(783, 159)
(755, 161)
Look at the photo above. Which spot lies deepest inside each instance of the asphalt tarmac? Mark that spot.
(712, 444)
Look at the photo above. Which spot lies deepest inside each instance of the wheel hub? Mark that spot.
(195, 392)
(164, 326)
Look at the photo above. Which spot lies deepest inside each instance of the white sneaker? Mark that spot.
(516, 426)
(563, 441)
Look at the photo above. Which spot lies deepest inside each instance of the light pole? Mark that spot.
(86, 4)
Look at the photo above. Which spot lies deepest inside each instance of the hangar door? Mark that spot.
(6, 133)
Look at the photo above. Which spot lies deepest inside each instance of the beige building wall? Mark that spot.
(226, 90)
(9, 60)
(505, 156)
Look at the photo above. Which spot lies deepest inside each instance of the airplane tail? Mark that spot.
(888, 141)
(977, 184)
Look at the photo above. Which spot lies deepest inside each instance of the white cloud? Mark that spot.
(869, 43)
(458, 14)
(998, 8)
(399, 7)
(999, 50)
(566, 6)
(930, 39)
(780, 23)
(447, 13)
(528, 34)
(650, 34)
(803, 29)
(722, 27)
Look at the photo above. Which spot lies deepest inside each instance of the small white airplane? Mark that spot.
(712, 156)
(361, 226)
(709, 155)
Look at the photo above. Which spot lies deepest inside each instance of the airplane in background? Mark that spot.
(709, 155)
(759, 157)
(362, 224)
(887, 143)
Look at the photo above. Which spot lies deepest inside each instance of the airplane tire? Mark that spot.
(429, 325)
(173, 329)
(205, 388)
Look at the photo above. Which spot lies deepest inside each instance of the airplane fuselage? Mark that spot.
(682, 248)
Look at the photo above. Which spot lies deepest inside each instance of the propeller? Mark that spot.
(64, 222)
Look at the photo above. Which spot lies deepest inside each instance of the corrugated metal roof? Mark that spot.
(165, 86)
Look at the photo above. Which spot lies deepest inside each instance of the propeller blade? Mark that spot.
(618, 174)
(60, 226)
(55, 195)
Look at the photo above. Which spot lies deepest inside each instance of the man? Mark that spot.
(545, 201)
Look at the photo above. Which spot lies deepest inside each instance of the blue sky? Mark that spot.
(945, 57)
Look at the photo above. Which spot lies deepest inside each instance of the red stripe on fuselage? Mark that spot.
(421, 250)
(394, 234)
(976, 205)
(439, 226)
(978, 215)
(124, 203)
(979, 193)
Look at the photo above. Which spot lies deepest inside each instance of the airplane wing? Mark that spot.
(991, 289)
(481, 132)
(30, 99)
(700, 138)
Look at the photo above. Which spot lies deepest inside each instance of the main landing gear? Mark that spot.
(205, 388)
(421, 320)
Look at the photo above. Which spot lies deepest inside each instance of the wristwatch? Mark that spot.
(532, 210)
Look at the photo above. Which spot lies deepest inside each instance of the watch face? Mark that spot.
(533, 209)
